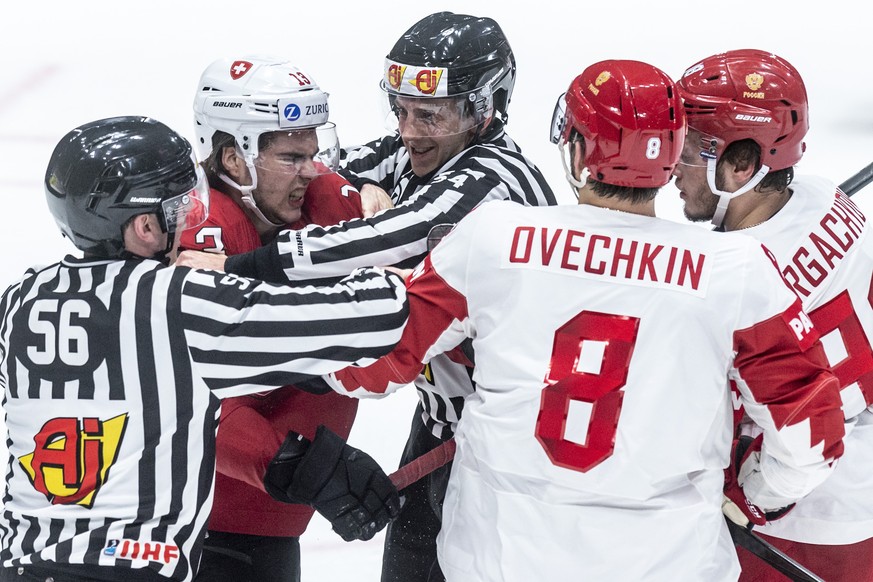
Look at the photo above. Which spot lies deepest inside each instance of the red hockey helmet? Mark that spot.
(749, 94)
(631, 118)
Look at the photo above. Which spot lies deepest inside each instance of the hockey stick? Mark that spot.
(423, 465)
(442, 454)
(744, 538)
(858, 181)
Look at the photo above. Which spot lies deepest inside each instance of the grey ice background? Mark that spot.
(67, 63)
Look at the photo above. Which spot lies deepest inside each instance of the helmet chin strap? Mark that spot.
(246, 192)
(162, 257)
(576, 184)
(724, 198)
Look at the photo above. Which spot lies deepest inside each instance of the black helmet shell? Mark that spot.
(104, 173)
(473, 51)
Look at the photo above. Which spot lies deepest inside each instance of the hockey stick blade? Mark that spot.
(423, 465)
(744, 538)
(858, 181)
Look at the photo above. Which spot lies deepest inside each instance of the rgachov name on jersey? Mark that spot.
(824, 248)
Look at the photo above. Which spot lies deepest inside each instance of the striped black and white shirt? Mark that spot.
(111, 374)
(492, 169)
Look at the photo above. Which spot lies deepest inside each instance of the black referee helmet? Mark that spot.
(105, 172)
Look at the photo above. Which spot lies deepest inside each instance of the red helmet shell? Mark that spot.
(749, 94)
(632, 120)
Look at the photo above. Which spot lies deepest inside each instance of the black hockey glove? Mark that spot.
(345, 485)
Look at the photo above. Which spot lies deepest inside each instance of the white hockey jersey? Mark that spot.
(595, 443)
(821, 241)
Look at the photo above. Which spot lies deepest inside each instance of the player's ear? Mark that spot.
(142, 234)
(233, 163)
(144, 225)
(577, 157)
(737, 174)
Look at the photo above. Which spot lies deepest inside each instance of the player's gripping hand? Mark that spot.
(345, 485)
(735, 505)
(374, 199)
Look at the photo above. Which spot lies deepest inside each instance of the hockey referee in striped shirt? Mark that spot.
(112, 368)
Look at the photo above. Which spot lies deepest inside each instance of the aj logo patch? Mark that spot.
(72, 457)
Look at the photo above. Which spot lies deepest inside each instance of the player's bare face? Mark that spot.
(690, 173)
(285, 168)
(433, 131)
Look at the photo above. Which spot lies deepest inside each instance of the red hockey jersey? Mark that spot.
(253, 427)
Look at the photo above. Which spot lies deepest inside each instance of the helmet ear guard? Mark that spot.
(562, 129)
(186, 210)
(568, 117)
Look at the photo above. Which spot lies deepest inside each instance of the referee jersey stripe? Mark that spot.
(508, 175)
(398, 236)
(184, 410)
(151, 413)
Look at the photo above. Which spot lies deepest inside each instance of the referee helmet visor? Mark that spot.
(188, 209)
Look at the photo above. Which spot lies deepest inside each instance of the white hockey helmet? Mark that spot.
(254, 95)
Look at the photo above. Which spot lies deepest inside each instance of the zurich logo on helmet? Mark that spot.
(292, 112)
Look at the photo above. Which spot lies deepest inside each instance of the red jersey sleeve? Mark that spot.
(436, 311)
(226, 230)
(330, 199)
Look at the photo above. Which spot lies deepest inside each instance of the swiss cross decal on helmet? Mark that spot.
(256, 95)
(749, 94)
(454, 55)
(631, 119)
(239, 68)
